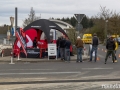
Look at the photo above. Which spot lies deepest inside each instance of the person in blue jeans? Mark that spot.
(94, 49)
(79, 54)
(79, 45)
(67, 49)
(95, 43)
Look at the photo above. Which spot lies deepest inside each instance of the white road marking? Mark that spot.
(95, 68)
(39, 73)
(24, 69)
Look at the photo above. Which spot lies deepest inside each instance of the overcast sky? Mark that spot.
(53, 8)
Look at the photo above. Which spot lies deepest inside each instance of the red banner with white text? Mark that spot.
(21, 37)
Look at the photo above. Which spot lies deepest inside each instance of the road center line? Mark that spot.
(39, 73)
(95, 68)
(25, 69)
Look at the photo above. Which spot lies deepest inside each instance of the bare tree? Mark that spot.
(106, 22)
(31, 17)
(104, 13)
(114, 23)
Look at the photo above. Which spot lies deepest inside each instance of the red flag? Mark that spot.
(22, 40)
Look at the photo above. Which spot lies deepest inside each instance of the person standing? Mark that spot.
(58, 46)
(62, 48)
(35, 42)
(110, 46)
(79, 45)
(67, 49)
(116, 47)
(95, 43)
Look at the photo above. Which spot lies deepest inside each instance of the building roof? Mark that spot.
(62, 24)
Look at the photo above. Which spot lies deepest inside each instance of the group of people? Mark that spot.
(64, 45)
(80, 45)
(63, 48)
(111, 46)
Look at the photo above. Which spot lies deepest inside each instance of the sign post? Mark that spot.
(52, 50)
(12, 22)
(79, 18)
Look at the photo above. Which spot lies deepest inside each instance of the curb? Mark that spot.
(35, 60)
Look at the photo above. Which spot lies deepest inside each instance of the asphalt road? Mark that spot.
(62, 75)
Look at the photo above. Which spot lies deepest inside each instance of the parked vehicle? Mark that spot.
(87, 38)
(118, 40)
(115, 36)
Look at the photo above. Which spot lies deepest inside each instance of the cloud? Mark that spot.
(53, 8)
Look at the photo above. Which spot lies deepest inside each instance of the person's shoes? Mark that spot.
(94, 61)
(80, 61)
(89, 61)
(66, 61)
(105, 62)
(115, 61)
(63, 59)
(76, 61)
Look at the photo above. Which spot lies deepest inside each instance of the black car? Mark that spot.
(118, 40)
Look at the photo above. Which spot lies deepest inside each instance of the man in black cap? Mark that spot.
(95, 43)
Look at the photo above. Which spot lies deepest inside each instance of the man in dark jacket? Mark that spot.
(95, 43)
(35, 42)
(58, 46)
(62, 48)
(110, 46)
(67, 49)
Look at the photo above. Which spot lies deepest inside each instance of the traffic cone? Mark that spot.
(98, 58)
(115, 60)
(105, 50)
(119, 55)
